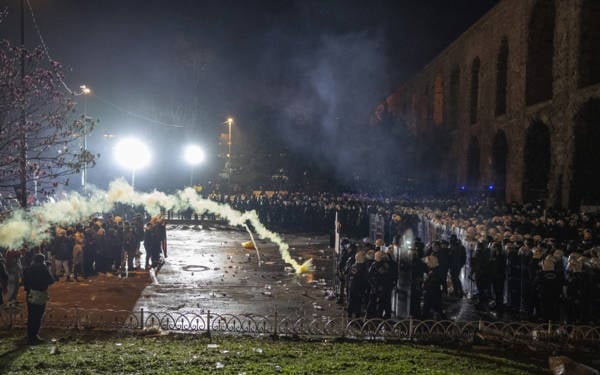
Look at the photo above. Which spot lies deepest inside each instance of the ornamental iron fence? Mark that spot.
(325, 326)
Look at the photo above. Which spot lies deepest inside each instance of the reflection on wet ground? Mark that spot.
(208, 269)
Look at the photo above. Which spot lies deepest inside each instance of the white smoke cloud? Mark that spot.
(31, 227)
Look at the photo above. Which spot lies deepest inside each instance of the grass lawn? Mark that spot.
(102, 353)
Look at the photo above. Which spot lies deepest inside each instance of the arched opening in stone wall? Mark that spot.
(589, 43)
(499, 154)
(473, 162)
(502, 78)
(427, 107)
(474, 89)
(438, 100)
(586, 169)
(537, 157)
(453, 98)
(452, 181)
(540, 52)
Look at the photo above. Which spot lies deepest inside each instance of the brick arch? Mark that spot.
(474, 104)
(501, 77)
(536, 159)
(453, 96)
(473, 164)
(438, 99)
(540, 52)
(589, 43)
(499, 157)
(586, 169)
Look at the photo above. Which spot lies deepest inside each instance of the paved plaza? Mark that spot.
(208, 269)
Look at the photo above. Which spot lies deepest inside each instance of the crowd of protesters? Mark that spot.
(107, 245)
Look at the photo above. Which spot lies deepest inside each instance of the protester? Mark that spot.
(36, 280)
(3, 278)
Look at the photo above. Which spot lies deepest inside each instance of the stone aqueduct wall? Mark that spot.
(513, 84)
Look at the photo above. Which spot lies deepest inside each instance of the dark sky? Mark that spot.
(306, 70)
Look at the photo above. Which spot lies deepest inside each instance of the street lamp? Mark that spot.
(229, 122)
(85, 91)
(193, 155)
(133, 154)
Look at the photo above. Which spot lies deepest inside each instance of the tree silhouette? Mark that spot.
(40, 135)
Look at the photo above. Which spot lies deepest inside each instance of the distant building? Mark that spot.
(513, 104)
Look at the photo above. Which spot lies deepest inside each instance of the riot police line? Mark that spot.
(432, 262)
(517, 259)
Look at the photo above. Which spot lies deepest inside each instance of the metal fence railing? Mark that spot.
(324, 326)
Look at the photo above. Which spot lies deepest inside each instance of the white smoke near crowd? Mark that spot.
(33, 227)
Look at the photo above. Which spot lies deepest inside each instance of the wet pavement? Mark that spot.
(208, 269)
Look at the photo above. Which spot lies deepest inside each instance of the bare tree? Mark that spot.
(40, 133)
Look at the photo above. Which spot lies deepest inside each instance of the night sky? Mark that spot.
(300, 77)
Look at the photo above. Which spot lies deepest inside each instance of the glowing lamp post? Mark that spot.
(85, 91)
(131, 153)
(193, 155)
(229, 122)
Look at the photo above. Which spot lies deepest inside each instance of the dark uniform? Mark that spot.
(130, 245)
(458, 258)
(357, 285)
(90, 252)
(498, 274)
(417, 270)
(513, 277)
(444, 261)
(548, 285)
(36, 280)
(531, 301)
(577, 297)
(432, 290)
(152, 244)
(346, 251)
(379, 281)
(480, 266)
(3, 277)
(391, 284)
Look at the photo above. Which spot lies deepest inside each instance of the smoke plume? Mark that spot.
(32, 227)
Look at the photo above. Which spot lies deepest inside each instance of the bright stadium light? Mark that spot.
(132, 154)
(193, 155)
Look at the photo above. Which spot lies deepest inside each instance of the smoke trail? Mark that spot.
(31, 228)
(189, 198)
(253, 243)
